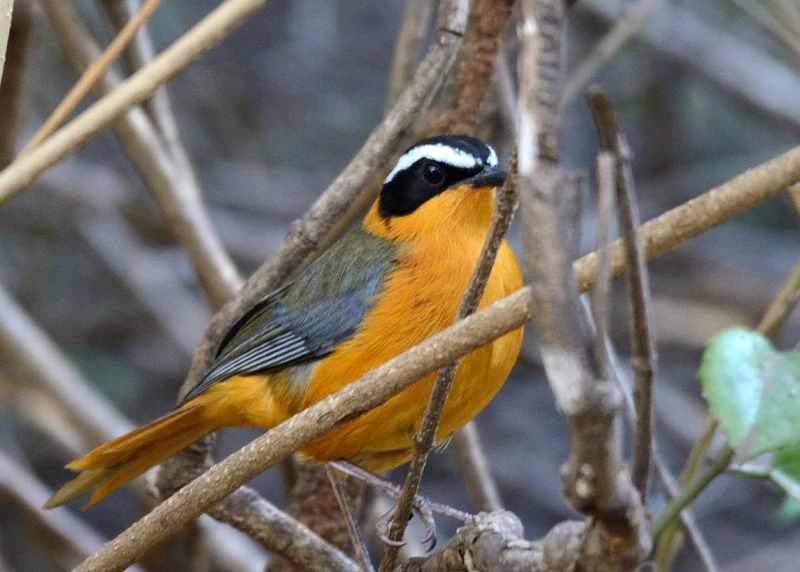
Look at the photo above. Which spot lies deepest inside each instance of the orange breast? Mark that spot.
(421, 298)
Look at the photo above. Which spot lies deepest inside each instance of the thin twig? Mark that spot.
(601, 292)
(476, 469)
(416, 17)
(173, 184)
(624, 29)
(643, 355)
(783, 304)
(6, 8)
(352, 526)
(74, 539)
(91, 76)
(11, 89)
(206, 34)
(506, 204)
(693, 488)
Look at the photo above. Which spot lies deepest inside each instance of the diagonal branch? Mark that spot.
(173, 183)
(92, 75)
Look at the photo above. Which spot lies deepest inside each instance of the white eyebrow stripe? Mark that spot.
(436, 152)
(492, 160)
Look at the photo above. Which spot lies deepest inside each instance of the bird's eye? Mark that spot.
(432, 173)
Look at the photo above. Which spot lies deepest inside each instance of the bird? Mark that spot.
(386, 285)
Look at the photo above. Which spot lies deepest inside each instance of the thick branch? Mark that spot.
(593, 478)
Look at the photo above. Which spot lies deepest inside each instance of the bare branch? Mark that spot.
(175, 187)
(736, 66)
(783, 304)
(476, 470)
(416, 17)
(696, 216)
(11, 90)
(203, 36)
(624, 29)
(643, 358)
(594, 480)
(458, 111)
(75, 539)
(425, 439)
(493, 541)
(91, 76)
(6, 7)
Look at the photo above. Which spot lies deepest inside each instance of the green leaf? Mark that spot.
(786, 471)
(789, 511)
(753, 391)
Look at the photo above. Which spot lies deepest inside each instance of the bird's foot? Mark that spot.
(423, 507)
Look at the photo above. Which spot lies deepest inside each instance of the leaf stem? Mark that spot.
(693, 489)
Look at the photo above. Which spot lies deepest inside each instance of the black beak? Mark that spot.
(488, 177)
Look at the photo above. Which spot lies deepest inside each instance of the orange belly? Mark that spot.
(415, 305)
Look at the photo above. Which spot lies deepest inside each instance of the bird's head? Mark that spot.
(442, 182)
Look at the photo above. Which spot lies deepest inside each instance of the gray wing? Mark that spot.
(306, 320)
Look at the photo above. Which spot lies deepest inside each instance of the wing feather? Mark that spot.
(307, 319)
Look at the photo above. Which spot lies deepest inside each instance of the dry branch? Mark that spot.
(11, 89)
(476, 470)
(458, 110)
(717, 54)
(74, 540)
(593, 478)
(173, 183)
(416, 17)
(605, 50)
(203, 36)
(643, 358)
(91, 76)
(6, 8)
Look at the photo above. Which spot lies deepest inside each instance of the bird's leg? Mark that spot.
(352, 526)
(423, 507)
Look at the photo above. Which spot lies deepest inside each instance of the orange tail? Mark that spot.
(112, 464)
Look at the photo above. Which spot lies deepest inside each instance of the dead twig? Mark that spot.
(73, 539)
(424, 441)
(783, 304)
(616, 38)
(643, 353)
(172, 182)
(476, 470)
(210, 31)
(91, 76)
(6, 7)
(416, 17)
(11, 90)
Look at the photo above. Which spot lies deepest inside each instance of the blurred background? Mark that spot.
(704, 91)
